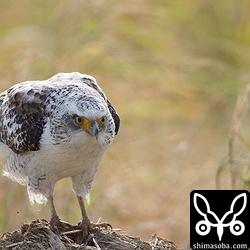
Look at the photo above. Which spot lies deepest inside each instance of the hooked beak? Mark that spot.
(95, 130)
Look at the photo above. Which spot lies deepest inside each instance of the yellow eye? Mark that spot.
(79, 120)
(103, 120)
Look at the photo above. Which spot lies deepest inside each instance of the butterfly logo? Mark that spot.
(203, 227)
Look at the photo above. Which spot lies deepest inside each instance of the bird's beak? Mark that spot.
(95, 130)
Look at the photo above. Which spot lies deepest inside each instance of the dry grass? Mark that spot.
(237, 162)
(38, 235)
(173, 74)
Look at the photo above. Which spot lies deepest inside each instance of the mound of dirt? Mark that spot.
(38, 235)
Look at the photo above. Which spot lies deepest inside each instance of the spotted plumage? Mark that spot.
(54, 129)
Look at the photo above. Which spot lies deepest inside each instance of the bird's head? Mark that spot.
(87, 114)
(90, 126)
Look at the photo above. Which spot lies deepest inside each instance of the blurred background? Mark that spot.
(172, 69)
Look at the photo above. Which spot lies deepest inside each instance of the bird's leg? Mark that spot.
(56, 223)
(87, 226)
(54, 218)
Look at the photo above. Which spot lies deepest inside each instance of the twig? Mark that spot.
(14, 244)
(72, 232)
(96, 244)
(99, 220)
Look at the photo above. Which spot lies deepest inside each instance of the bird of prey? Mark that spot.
(53, 129)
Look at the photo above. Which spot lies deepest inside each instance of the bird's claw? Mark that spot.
(101, 225)
(90, 229)
(55, 229)
(59, 226)
(94, 227)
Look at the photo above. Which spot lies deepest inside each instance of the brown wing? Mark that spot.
(22, 118)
